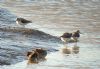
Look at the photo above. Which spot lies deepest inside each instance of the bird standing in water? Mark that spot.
(66, 37)
(76, 35)
(22, 21)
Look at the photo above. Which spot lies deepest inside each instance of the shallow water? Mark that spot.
(64, 61)
(57, 16)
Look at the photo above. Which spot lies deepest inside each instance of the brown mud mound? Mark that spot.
(27, 31)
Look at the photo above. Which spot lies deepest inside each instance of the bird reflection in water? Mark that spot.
(70, 50)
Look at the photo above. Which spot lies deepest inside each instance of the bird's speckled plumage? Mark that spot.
(22, 21)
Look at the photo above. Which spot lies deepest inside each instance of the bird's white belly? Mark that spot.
(19, 23)
(75, 38)
(65, 39)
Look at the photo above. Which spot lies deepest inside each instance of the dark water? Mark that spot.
(53, 17)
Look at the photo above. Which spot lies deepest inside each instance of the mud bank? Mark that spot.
(27, 31)
(16, 41)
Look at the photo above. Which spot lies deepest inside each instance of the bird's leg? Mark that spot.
(75, 44)
(64, 43)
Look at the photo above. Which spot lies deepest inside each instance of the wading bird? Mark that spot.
(76, 35)
(22, 21)
(66, 37)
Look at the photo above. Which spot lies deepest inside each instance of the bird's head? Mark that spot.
(78, 31)
(18, 19)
